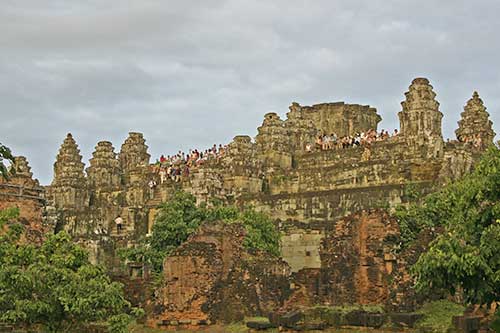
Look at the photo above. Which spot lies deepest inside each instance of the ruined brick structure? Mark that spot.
(212, 277)
(23, 192)
(307, 193)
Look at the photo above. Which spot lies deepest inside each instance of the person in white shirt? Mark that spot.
(119, 224)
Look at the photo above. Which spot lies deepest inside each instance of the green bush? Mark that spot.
(179, 218)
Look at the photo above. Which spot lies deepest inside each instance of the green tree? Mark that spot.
(466, 255)
(5, 154)
(54, 285)
(180, 217)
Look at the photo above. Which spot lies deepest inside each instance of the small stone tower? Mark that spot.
(134, 162)
(104, 171)
(241, 168)
(134, 158)
(475, 122)
(420, 119)
(272, 142)
(23, 175)
(301, 129)
(69, 187)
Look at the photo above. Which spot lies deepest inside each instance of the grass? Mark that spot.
(438, 315)
(257, 319)
(355, 307)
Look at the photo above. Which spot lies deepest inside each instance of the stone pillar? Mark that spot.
(300, 128)
(69, 187)
(273, 142)
(475, 122)
(420, 119)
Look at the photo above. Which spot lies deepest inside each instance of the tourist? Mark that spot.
(163, 175)
(319, 142)
(119, 223)
(152, 184)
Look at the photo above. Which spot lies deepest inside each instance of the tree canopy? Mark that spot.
(180, 217)
(54, 285)
(5, 154)
(465, 256)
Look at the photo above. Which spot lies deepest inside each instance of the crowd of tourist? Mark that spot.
(332, 141)
(179, 165)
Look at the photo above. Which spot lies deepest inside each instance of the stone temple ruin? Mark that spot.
(326, 203)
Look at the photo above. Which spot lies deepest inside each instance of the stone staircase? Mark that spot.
(127, 226)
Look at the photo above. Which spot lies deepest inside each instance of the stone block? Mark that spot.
(356, 318)
(259, 325)
(404, 319)
(375, 320)
(291, 319)
(202, 322)
(466, 324)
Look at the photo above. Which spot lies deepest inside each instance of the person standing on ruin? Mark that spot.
(163, 175)
(119, 224)
(152, 184)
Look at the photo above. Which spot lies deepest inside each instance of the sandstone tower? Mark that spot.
(69, 187)
(301, 130)
(134, 161)
(104, 171)
(420, 119)
(134, 157)
(241, 167)
(23, 174)
(475, 122)
(272, 142)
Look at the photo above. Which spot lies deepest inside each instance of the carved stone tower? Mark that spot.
(134, 158)
(134, 161)
(272, 142)
(69, 187)
(301, 129)
(23, 175)
(420, 119)
(241, 167)
(104, 171)
(475, 122)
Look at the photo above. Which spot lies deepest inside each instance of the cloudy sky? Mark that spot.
(193, 73)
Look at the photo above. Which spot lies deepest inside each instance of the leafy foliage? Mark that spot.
(466, 256)
(8, 214)
(179, 217)
(495, 325)
(5, 154)
(437, 315)
(55, 285)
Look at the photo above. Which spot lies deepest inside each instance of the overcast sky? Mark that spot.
(193, 73)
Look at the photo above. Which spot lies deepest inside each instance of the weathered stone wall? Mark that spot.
(357, 259)
(23, 192)
(211, 277)
(342, 119)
